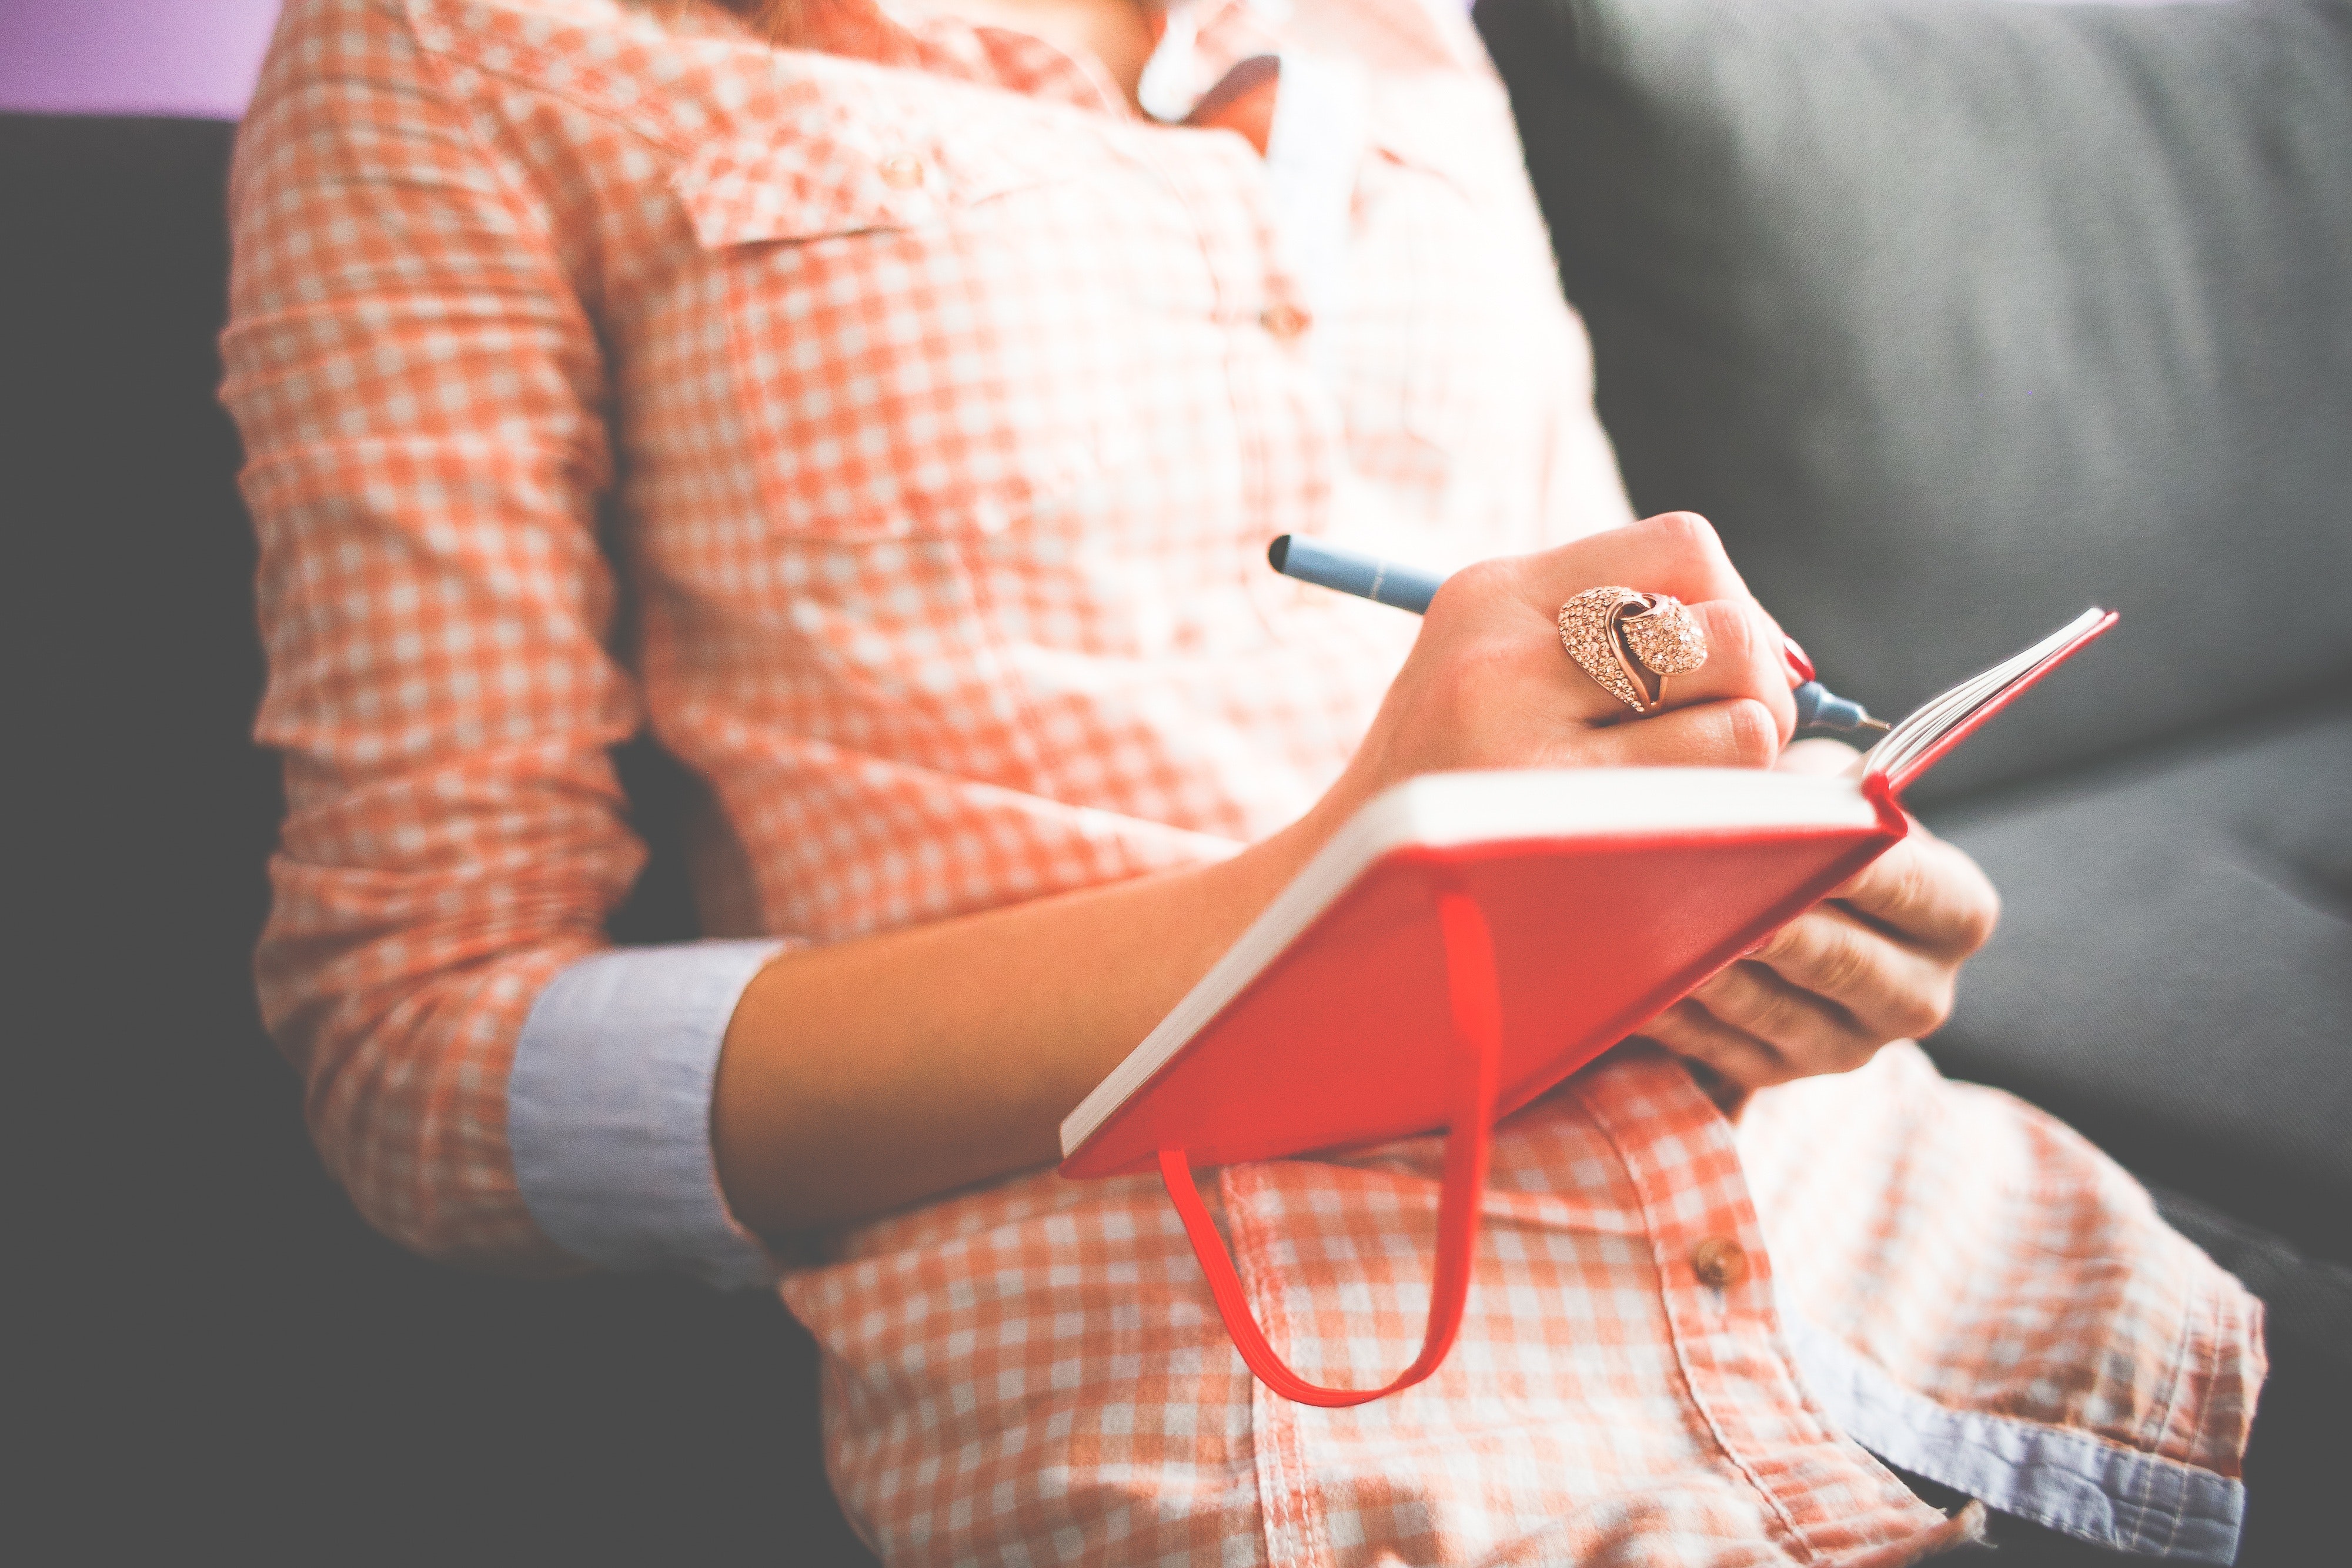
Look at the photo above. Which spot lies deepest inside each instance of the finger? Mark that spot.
(1817, 757)
(1687, 1029)
(1890, 991)
(1928, 894)
(1742, 733)
(1743, 659)
(1674, 552)
(1810, 1032)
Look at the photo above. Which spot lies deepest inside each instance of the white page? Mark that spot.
(1918, 731)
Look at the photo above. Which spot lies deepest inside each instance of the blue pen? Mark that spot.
(1405, 586)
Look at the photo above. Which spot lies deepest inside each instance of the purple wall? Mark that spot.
(140, 56)
(132, 56)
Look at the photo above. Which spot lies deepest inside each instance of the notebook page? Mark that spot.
(1925, 726)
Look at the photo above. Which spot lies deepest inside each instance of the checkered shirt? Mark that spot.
(896, 426)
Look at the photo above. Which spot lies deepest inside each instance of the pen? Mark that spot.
(1407, 587)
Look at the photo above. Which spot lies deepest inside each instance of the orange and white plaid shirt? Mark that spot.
(896, 426)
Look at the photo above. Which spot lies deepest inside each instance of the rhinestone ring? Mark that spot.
(1629, 642)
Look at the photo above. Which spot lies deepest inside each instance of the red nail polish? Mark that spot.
(1801, 664)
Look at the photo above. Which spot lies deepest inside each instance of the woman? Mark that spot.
(876, 402)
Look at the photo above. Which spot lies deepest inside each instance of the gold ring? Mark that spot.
(1629, 642)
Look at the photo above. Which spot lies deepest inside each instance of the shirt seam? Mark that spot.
(446, 59)
(2212, 1317)
(2151, 1437)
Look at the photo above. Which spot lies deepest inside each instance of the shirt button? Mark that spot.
(902, 171)
(1720, 1261)
(1285, 322)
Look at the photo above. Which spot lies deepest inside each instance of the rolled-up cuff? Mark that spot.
(2070, 1482)
(608, 1110)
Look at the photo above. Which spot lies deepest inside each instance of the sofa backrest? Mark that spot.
(1957, 316)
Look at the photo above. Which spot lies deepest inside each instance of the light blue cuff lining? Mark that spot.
(2115, 1498)
(608, 1110)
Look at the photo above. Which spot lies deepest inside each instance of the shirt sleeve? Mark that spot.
(420, 394)
(608, 1110)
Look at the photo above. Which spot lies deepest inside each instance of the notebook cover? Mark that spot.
(1344, 1036)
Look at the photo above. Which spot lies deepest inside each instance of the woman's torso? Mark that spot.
(954, 406)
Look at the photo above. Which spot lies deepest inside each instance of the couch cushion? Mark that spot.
(2173, 971)
(1959, 315)
(2306, 1302)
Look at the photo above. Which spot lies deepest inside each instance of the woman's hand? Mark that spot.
(1488, 686)
(1874, 963)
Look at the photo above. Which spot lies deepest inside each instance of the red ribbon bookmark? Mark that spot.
(1476, 1006)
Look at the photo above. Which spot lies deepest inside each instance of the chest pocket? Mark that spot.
(906, 322)
(1455, 313)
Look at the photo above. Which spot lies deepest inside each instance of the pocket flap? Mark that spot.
(836, 177)
(1456, 129)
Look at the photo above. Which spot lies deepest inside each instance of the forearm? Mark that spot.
(861, 1076)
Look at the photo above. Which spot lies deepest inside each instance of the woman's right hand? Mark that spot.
(863, 1074)
(1488, 685)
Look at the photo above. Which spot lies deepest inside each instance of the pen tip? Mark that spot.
(1875, 724)
(1277, 553)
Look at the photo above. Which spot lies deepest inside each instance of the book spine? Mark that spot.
(1884, 796)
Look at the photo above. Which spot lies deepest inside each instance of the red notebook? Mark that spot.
(1470, 939)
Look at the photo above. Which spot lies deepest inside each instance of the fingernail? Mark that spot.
(1801, 664)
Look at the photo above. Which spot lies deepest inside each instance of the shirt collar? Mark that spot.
(936, 40)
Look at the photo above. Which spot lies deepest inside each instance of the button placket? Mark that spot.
(1714, 1284)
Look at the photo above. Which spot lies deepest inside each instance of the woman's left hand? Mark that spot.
(1876, 962)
